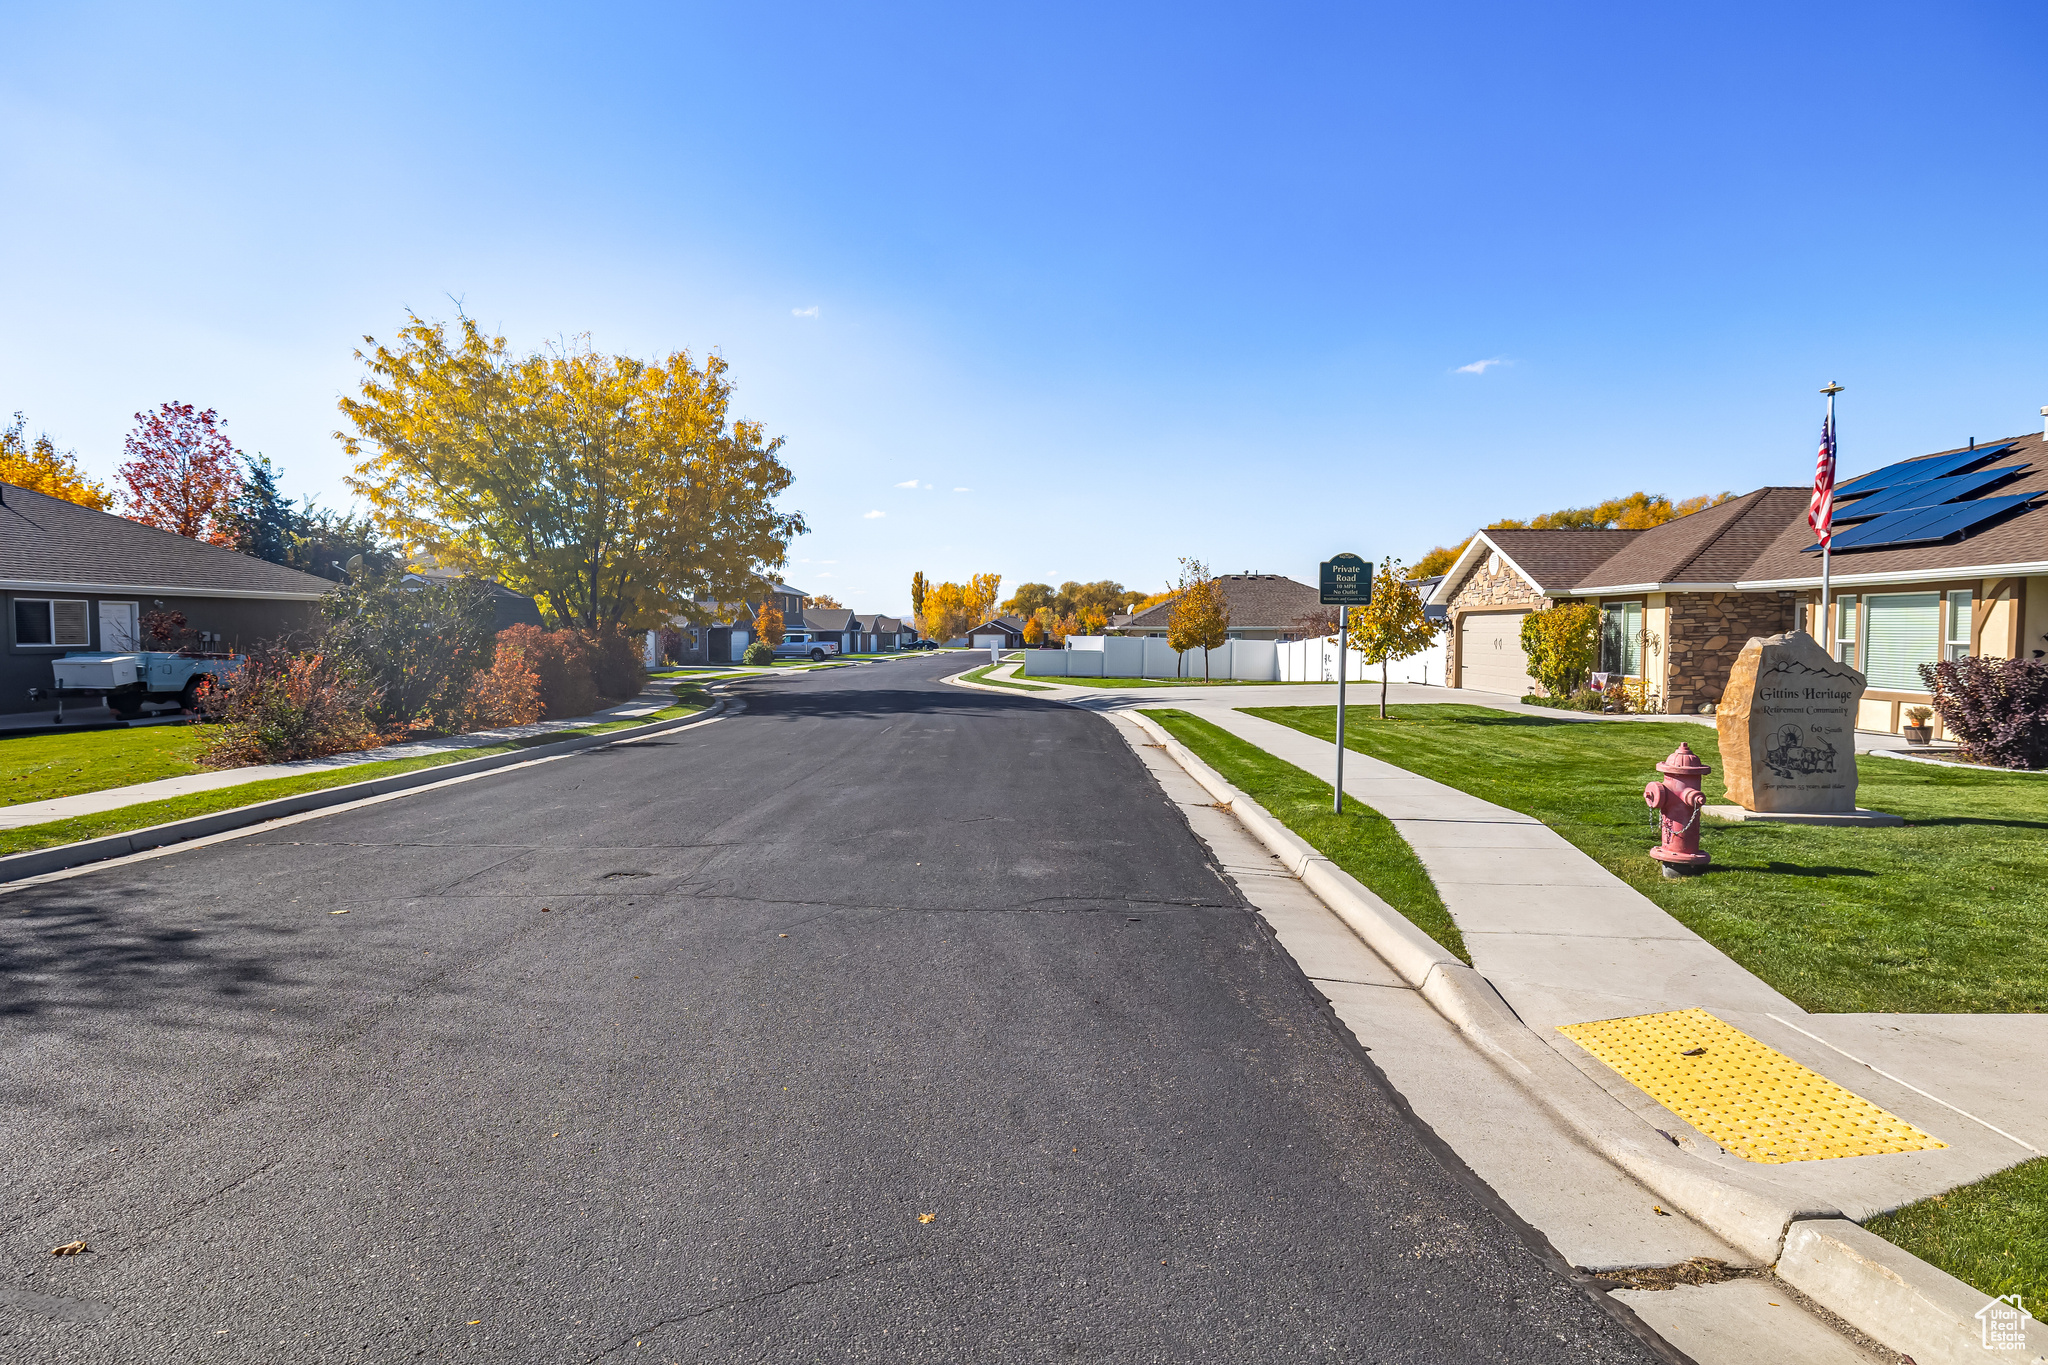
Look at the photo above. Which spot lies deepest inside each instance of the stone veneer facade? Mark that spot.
(1490, 589)
(1707, 631)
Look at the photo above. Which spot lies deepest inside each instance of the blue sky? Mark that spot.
(1143, 281)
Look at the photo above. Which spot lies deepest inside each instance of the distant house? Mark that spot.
(998, 632)
(75, 579)
(880, 634)
(833, 625)
(1263, 606)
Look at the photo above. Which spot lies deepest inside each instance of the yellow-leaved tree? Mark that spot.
(946, 611)
(616, 491)
(1392, 625)
(917, 591)
(1200, 615)
(768, 624)
(40, 467)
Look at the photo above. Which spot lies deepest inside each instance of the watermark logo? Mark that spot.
(2004, 1321)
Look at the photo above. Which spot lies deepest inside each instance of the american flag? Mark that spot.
(1820, 513)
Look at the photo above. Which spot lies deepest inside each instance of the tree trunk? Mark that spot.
(1383, 689)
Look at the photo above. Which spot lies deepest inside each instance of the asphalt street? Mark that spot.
(885, 1021)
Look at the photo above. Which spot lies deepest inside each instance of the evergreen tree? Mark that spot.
(259, 518)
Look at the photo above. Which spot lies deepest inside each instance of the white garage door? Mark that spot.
(1490, 647)
(989, 641)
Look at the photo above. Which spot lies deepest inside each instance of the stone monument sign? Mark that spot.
(1788, 727)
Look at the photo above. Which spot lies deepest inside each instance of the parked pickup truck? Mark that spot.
(127, 681)
(814, 650)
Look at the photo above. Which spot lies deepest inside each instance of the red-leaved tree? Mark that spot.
(181, 473)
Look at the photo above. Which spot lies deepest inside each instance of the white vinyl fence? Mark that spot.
(1120, 656)
(1316, 661)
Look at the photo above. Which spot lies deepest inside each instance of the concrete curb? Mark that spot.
(58, 858)
(1899, 1299)
(1880, 1289)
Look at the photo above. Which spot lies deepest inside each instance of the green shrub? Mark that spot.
(1563, 645)
(759, 654)
(414, 645)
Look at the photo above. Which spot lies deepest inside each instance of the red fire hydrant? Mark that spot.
(1678, 799)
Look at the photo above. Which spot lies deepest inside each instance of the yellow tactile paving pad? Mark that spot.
(1752, 1099)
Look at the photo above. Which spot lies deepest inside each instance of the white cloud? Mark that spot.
(870, 516)
(963, 490)
(908, 483)
(809, 312)
(1481, 366)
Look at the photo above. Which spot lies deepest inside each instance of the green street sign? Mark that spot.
(1346, 581)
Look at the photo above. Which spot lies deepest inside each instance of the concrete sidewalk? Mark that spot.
(140, 793)
(1564, 941)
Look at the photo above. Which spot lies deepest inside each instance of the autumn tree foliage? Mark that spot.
(182, 472)
(825, 600)
(768, 623)
(1099, 600)
(617, 491)
(1392, 625)
(40, 467)
(945, 611)
(1630, 512)
(1199, 617)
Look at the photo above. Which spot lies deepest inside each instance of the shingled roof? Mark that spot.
(47, 544)
(831, 619)
(1713, 546)
(1258, 601)
(2014, 543)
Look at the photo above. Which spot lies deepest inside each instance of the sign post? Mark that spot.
(1346, 583)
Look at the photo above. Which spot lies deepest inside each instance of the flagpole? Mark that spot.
(1827, 543)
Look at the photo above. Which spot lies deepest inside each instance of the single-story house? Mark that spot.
(1263, 606)
(1941, 556)
(72, 578)
(998, 632)
(879, 633)
(834, 625)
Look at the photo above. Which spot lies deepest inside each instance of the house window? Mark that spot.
(1845, 630)
(1902, 630)
(53, 622)
(1959, 624)
(1621, 638)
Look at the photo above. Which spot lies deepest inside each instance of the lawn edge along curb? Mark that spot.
(60, 857)
(1881, 1289)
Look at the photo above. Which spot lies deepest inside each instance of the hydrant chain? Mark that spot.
(1679, 795)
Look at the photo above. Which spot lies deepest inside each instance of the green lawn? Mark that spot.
(1170, 682)
(1948, 913)
(981, 675)
(1361, 841)
(1993, 1235)
(689, 699)
(40, 767)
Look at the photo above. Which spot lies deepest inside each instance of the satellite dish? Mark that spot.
(355, 564)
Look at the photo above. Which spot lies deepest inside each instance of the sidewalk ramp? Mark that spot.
(1752, 1099)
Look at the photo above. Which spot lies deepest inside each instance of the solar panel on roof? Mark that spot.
(1925, 523)
(1904, 497)
(1913, 471)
